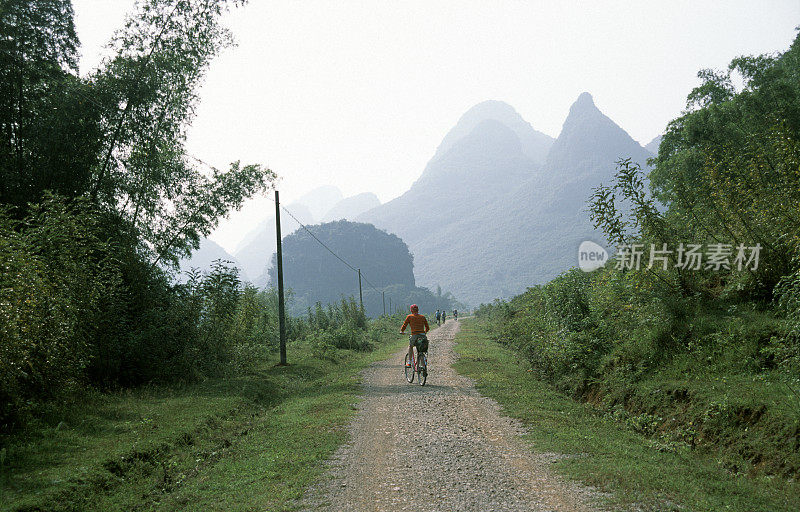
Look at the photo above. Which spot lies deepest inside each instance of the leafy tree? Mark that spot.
(728, 167)
(48, 134)
(59, 277)
(726, 173)
(98, 198)
(117, 135)
(149, 90)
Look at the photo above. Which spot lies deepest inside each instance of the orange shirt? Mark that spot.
(418, 323)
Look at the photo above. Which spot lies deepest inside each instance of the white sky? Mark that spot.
(359, 94)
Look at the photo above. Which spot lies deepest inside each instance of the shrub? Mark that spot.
(58, 278)
(786, 348)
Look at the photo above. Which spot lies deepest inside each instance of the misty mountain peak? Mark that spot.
(584, 101)
(351, 207)
(491, 109)
(488, 141)
(534, 144)
(590, 142)
(584, 109)
(493, 136)
(490, 151)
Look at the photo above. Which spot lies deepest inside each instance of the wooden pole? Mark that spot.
(360, 297)
(281, 311)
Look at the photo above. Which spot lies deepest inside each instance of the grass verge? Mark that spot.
(245, 443)
(638, 471)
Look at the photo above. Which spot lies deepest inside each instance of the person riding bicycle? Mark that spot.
(419, 327)
(438, 317)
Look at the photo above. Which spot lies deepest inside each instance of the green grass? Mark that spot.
(245, 443)
(609, 452)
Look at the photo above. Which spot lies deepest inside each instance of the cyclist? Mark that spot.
(438, 317)
(455, 315)
(419, 326)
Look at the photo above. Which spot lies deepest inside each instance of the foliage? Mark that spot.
(342, 326)
(787, 348)
(147, 93)
(58, 278)
(98, 199)
(48, 138)
(728, 168)
(726, 172)
(118, 134)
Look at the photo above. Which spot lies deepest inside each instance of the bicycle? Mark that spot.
(419, 366)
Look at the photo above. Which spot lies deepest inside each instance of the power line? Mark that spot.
(89, 99)
(354, 269)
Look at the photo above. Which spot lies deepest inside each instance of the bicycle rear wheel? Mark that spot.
(422, 367)
(409, 371)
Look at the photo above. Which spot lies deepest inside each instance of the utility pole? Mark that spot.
(281, 312)
(360, 297)
(383, 297)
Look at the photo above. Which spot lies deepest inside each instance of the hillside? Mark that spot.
(535, 144)
(322, 204)
(315, 275)
(255, 250)
(320, 200)
(652, 146)
(488, 220)
(205, 256)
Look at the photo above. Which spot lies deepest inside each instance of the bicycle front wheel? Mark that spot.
(422, 367)
(409, 371)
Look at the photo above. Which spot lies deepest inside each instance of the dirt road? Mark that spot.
(441, 447)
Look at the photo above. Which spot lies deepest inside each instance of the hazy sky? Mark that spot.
(359, 94)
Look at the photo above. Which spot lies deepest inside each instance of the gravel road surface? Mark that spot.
(441, 447)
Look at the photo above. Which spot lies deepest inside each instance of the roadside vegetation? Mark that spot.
(124, 385)
(626, 455)
(99, 201)
(703, 360)
(202, 444)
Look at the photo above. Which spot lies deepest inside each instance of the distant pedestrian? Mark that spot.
(438, 317)
(444, 316)
(455, 314)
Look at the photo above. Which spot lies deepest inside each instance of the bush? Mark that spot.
(58, 278)
(786, 348)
